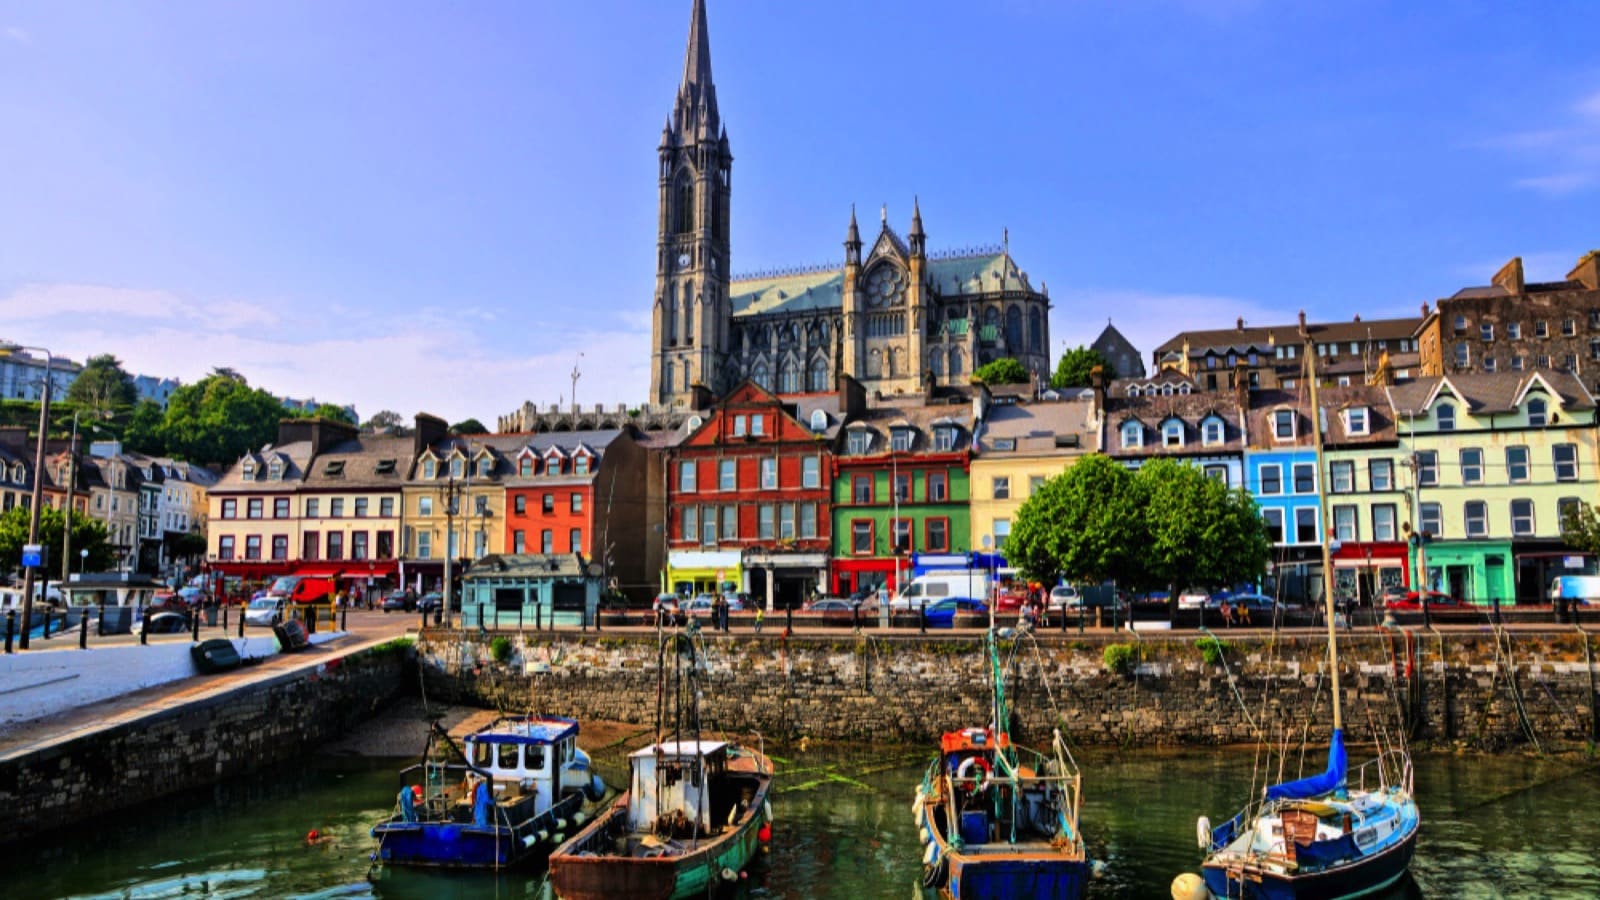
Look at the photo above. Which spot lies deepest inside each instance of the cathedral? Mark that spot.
(896, 318)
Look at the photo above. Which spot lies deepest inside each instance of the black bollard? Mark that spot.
(241, 622)
(224, 620)
(194, 623)
(47, 624)
(83, 633)
(855, 617)
(11, 628)
(788, 619)
(519, 620)
(597, 613)
(144, 631)
(922, 617)
(438, 616)
(344, 619)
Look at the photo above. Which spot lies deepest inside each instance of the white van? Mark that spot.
(1585, 588)
(928, 589)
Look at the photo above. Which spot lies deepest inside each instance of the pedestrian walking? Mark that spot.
(761, 614)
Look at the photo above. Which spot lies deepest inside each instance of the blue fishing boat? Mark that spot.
(1337, 834)
(506, 797)
(998, 821)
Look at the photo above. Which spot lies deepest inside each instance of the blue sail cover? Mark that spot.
(1330, 780)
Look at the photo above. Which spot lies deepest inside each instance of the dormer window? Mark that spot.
(430, 468)
(18, 474)
(385, 467)
(458, 467)
(485, 466)
(738, 426)
(1183, 390)
(1445, 417)
(552, 462)
(1133, 390)
(944, 438)
(1356, 420)
(1283, 425)
(819, 421)
(525, 467)
(858, 441)
(580, 464)
(1211, 432)
(1005, 443)
(1538, 412)
(900, 439)
(1166, 390)
(335, 469)
(1132, 435)
(1172, 433)
(758, 425)
(248, 472)
(275, 471)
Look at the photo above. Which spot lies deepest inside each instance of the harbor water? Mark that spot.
(1492, 827)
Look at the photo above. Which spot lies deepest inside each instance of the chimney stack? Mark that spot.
(1510, 276)
(1240, 324)
(1587, 271)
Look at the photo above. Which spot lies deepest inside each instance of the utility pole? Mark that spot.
(72, 483)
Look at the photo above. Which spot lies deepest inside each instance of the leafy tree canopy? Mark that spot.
(1580, 528)
(1075, 365)
(1005, 370)
(470, 426)
(142, 434)
(218, 418)
(386, 418)
(333, 413)
(87, 534)
(103, 386)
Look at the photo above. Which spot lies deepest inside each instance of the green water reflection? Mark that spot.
(1493, 827)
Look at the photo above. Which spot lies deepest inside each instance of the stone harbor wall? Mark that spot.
(195, 744)
(1474, 690)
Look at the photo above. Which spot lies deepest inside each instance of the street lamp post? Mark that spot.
(72, 483)
(38, 485)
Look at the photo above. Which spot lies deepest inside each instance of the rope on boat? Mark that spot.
(1233, 685)
(1510, 668)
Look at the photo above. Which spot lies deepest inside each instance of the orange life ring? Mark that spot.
(967, 765)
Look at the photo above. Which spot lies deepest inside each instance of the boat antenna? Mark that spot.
(1322, 538)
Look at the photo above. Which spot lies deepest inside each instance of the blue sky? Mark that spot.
(426, 206)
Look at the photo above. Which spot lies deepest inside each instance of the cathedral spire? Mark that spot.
(852, 240)
(918, 238)
(697, 89)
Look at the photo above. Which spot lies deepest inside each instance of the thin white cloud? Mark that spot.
(439, 361)
(1567, 154)
(17, 34)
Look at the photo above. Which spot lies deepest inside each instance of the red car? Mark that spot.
(1413, 600)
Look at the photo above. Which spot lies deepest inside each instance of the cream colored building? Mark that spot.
(1020, 447)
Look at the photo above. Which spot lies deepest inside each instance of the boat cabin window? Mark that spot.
(534, 758)
(481, 754)
(509, 755)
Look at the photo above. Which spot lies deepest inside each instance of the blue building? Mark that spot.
(1281, 473)
(524, 590)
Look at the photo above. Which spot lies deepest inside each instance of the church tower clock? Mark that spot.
(690, 328)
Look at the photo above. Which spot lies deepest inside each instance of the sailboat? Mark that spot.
(998, 820)
(1340, 833)
(694, 815)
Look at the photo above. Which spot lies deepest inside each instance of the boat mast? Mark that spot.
(1322, 537)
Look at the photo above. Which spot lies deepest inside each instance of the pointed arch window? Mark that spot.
(817, 378)
(1013, 329)
(683, 204)
(1035, 331)
(788, 377)
(936, 363)
(955, 362)
(762, 375)
(875, 364)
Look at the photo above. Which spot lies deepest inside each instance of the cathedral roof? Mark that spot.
(823, 288)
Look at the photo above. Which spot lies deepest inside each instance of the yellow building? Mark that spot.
(1020, 447)
(455, 502)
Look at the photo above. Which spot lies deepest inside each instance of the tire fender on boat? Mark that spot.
(729, 874)
(927, 837)
(933, 874)
(930, 854)
(1202, 832)
(766, 807)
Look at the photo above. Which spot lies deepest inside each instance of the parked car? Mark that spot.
(1010, 601)
(833, 605)
(167, 602)
(434, 600)
(1194, 598)
(1064, 596)
(194, 597)
(266, 611)
(165, 623)
(1413, 600)
(399, 601)
(943, 613)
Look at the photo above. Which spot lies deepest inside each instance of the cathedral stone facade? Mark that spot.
(896, 318)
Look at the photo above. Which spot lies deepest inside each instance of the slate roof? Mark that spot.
(1036, 427)
(1486, 392)
(1271, 336)
(1191, 409)
(823, 288)
(295, 455)
(528, 566)
(920, 419)
(1380, 415)
(354, 464)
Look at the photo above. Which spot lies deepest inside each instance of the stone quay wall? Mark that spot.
(197, 744)
(1470, 690)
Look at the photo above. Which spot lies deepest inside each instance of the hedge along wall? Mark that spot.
(1478, 690)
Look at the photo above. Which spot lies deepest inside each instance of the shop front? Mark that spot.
(784, 579)
(1541, 562)
(1294, 575)
(851, 576)
(363, 581)
(691, 572)
(531, 590)
(237, 580)
(1479, 572)
(1364, 570)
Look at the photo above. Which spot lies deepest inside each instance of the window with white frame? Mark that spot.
(1356, 420)
(1283, 424)
(1445, 417)
(1514, 331)
(858, 441)
(1305, 526)
(769, 474)
(1271, 480)
(1472, 465)
(1342, 476)
(1430, 519)
(727, 475)
(1566, 461)
(766, 527)
(1486, 331)
(691, 524)
(1002, 487)
(808, 520)
(810, 472)
(1541, 329)
(1538, 412)
(708, 525)
(937, 487)
(686, 476)
(1380, 474)
(739, 426)
(1344, 523)
(1383, 519)
(1172, 433)
(1274, 520)
(1569, 327)
(430, 468)
(1476, 518)
(1522, 515)
(1211, 432)
(786, 521)
(758, 425)
(1427, 468)
(900, 440)
(1305, 478)
(1517, 464)
(1132, 435)
(944, 438)
(730, 522)
(458, 467)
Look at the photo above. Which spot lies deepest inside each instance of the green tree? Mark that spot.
(1086, 524)
(470, 426)
(1075, 365)
(1580, 528)
(103, 386)
(87, 534)
(218, 418)
(1200, 532)
(143, 434)
(1004, 370)
(333, 413)
(385, 418)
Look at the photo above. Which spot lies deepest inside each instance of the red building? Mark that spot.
(748, 497)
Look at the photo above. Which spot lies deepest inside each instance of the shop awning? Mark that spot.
(347, 568)
(250, 569)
